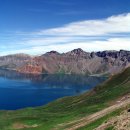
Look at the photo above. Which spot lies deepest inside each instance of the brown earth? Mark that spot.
(22, 126)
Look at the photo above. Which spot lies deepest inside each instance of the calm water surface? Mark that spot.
(20, 90)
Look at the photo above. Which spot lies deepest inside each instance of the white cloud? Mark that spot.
(110, 44)
(90, 35)
(114, 24)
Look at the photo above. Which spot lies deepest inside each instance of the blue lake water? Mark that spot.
(20, 90)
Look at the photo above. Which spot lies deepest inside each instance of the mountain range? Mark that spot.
(76, 61)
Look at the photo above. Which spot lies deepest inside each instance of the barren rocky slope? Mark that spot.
(76, 61)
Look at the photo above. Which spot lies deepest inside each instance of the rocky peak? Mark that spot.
(52, 53)
(122, 54)
(78, 52)
(104, 54)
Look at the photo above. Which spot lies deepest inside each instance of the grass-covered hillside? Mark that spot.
(66, 112)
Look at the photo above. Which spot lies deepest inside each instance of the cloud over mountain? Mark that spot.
(110, 33)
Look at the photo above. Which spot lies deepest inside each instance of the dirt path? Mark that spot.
(22, 126)
(88, 119)
(120, 122)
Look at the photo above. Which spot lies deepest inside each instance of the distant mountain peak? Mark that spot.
(52, 53)
(78, 50)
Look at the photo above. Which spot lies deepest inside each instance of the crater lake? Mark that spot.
(26, 90)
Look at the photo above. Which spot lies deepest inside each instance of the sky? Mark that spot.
(38, 26)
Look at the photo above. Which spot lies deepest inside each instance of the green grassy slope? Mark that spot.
(69, 108)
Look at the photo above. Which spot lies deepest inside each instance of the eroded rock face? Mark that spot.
(76, 61)
(121, 55)
(14, 61)
(31, 69)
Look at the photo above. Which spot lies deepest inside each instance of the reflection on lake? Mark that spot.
(27, 90)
